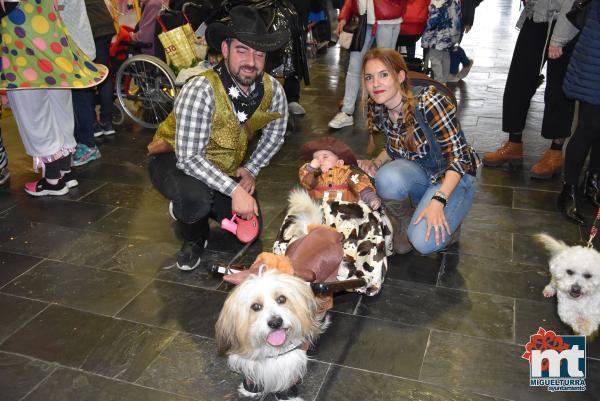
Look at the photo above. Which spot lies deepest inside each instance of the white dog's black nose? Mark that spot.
(576, 289)
(275, 322)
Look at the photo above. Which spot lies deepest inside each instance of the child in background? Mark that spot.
(442, 33)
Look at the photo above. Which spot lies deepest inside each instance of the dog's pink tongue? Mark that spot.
(276, 338)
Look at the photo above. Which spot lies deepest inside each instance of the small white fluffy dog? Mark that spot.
(575, 282)
(265, 327)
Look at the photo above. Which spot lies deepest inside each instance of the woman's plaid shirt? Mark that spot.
(440, 112)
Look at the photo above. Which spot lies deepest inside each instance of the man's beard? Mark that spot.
(246, 81)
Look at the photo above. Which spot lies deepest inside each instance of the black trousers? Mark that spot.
(586, 139)
(194, 202)
(522, 80)
(291, 87)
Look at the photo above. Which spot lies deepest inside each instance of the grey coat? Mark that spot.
(548, 11)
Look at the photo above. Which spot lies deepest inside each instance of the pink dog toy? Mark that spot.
(245, 230)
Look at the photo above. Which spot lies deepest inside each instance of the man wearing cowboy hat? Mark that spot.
(217, 114)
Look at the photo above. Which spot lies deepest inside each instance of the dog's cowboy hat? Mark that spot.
(334, 145)
(247, 26)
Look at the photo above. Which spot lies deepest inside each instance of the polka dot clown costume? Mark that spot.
(37, 52)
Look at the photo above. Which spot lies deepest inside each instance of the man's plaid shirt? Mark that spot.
(194, 108)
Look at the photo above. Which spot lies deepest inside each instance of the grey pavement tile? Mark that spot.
(58, 211)
(60, 335)
(140, 224)
(342, 384)
(19, 375)
(472, 273)
(357, 342)
(125, 349)
(15, 312)
(488, 243)
(94, 290)
(494, 195)
(142, 257)
(12, 265)
(176, 307)
(414, 267)
(479, 315)
(71, 385)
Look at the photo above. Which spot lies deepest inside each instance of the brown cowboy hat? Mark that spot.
(331, 144)
(247, 26)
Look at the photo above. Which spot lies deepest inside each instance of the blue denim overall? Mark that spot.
(419, 180)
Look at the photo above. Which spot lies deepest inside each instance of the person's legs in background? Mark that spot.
(521, 84)
(4, 173)
(291, 87)
(591, 182)
(103, 126)
(558, 116)
(458, 57)
(440, 64)
(85, 118)
(47, 135)
(353, 79)
(585, 138)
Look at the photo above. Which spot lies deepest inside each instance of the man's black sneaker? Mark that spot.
(190, 254)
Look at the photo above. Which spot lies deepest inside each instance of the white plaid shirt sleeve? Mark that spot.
(273, 134)
(194, 108)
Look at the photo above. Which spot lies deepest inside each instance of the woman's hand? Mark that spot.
(341, 24)
(368, 166)
(436, 221)
(554, 52)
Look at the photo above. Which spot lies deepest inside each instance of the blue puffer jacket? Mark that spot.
(582, 81)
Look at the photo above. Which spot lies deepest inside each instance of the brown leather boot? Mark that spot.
(509, 152)
(549, 165)
(400, 213)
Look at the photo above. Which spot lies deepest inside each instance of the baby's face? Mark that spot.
(327, 159)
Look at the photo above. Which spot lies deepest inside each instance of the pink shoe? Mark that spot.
(44, 188)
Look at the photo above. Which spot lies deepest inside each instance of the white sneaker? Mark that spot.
(465, 70)
(296, 108)
(453, 78)
(341, 120)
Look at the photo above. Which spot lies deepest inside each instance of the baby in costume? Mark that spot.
(333, 174)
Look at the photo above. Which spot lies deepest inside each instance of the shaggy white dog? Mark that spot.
(575, 282)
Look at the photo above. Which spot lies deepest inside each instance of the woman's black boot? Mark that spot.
(591, 187)
(568, 204)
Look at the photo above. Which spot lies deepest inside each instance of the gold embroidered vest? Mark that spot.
(228, 141)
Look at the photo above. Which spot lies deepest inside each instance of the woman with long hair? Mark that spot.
(427, 162)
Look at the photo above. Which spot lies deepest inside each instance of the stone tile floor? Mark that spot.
(90, 311)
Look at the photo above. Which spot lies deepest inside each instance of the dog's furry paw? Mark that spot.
(549, 291)
(248, 394)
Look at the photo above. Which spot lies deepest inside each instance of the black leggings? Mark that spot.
(53, 169)
(585, 139)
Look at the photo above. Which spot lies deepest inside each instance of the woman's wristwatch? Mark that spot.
(440, 197)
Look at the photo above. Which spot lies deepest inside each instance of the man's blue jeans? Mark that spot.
(401, 178)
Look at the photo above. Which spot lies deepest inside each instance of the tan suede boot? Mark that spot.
(400, 213)
(509, 152)
(549, 165)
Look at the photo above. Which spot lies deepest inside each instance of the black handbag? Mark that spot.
(360, 34)
(578, 13)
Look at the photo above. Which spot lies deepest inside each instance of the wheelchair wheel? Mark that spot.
(118, 115)
(145, 89)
